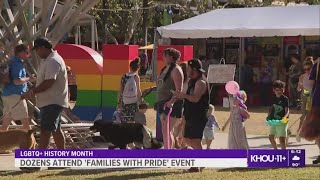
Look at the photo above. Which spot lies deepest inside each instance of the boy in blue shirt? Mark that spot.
(16, 108)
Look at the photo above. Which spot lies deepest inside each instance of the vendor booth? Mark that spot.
(261, 37)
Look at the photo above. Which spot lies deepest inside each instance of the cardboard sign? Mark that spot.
(221, 73)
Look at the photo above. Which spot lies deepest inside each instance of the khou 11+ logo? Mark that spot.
(276, 158)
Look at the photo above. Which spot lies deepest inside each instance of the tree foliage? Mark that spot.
(126, 27)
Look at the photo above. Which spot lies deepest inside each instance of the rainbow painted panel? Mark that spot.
(89, 82)
(110, 98)
(87, 65)
(88, 98)
(121, 52)
(116, 67)
(111, 82)
(116, 63)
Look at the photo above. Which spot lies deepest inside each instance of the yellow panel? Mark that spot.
(145, 85)
(111, 82)
(89, 82)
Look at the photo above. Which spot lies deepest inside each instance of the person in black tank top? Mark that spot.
(196, 105)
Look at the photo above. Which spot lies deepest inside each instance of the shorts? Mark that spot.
(279, 130)
(20, 112)
(176, 109)
(208, 133)
(50, 117)
(194, 127)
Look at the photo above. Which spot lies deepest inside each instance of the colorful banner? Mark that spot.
(159, 158)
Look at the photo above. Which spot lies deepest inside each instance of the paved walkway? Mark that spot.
(220, 142)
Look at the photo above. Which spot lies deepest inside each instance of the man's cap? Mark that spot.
(42, 42)
(196, 64)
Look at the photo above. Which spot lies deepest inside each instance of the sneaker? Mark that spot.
(298, 138)
(317, 161)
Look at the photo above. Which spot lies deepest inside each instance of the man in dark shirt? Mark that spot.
(278, 111)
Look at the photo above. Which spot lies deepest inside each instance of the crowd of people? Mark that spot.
(183, 100)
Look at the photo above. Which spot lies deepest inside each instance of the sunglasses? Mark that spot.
(307, 69)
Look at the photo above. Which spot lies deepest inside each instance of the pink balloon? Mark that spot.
(232, 87)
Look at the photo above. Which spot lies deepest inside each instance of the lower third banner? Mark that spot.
(159, 158)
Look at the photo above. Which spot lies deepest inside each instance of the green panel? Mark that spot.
(151, 99)
(89, 98)
(109, 98)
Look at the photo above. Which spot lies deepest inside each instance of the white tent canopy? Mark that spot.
(248, 22)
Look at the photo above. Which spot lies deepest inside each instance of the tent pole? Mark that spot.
(79, 34)
(154, 61)
(224, 48)
(76, 35)
(241, 59)
(282, 60)
(303, 53)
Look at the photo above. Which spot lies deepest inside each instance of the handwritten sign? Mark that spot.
(221, 73)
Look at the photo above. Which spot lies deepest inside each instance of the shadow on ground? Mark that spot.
(258, 137)
(138, 176)
(11, 173)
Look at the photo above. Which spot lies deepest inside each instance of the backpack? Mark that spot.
(130, 91)
(4, 74)
(117, 117)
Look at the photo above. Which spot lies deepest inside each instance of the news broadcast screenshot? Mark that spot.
(150, 89)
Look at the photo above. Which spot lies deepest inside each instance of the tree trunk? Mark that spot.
(145, 21)
(104, 20)
(107, 34)
(133, 23)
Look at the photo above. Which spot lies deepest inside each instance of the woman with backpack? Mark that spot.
(130, 93)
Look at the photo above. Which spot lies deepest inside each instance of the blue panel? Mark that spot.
(107, 113)
(86, 113)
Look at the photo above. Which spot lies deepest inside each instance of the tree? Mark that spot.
(124, 27)
(118, 19)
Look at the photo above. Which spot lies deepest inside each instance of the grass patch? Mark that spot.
(308, 173)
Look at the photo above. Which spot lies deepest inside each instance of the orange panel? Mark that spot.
(83, 66)
(160, 65)
(115, 67)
